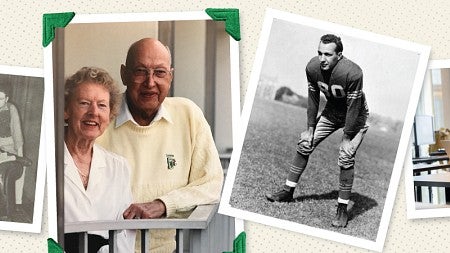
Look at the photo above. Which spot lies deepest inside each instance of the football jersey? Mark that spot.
(342, 87)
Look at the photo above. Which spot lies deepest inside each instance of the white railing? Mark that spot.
(206, 229)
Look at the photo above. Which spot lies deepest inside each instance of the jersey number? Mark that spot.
(336, 90)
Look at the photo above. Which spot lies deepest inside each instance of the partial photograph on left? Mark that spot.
(21, 170)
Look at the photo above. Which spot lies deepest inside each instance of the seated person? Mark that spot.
(11, 144)
(11, 138)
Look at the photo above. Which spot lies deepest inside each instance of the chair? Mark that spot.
(12, 170)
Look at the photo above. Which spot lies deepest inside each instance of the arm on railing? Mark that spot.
(198, 220)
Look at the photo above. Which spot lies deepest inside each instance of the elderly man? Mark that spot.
(341, 81)
(167, 141)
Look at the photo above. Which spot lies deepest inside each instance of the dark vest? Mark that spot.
(5, 123)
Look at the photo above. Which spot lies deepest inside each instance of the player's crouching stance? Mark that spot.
(341, 81)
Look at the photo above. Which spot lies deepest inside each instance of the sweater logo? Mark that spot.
(171, 162)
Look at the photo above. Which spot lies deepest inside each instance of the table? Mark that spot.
(440, 151)
(437, 180)
(430, 159)
(417, 168)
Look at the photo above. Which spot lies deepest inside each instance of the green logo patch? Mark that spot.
(171, 162)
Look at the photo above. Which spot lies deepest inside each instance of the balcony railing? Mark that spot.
(207, 231)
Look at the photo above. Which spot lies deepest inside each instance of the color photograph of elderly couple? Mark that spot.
(147, 134)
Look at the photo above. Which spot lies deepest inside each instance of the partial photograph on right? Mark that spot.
(427, 169)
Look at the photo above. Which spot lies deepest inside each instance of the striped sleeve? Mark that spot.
(355, 101)
(313, 101)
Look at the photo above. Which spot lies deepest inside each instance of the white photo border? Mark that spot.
(412, 212)
(36, 224)
(225, 207)
(123, 18)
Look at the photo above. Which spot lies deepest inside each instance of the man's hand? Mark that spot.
(306, 137)
(150, 210)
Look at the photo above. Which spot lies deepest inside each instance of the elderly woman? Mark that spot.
(96, 182)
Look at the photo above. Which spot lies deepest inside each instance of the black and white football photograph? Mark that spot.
(326, 124)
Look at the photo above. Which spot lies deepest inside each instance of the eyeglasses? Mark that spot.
(140, 75)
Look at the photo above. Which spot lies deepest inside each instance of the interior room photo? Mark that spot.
(431, 142)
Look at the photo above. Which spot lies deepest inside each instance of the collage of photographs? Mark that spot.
(138, 134)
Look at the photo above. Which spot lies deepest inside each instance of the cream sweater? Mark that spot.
(173, 159)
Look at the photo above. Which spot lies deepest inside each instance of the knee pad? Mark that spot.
(345, 161)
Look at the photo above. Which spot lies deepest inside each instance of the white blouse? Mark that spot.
(107, 196)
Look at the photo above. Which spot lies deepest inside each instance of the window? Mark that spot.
(436, 79)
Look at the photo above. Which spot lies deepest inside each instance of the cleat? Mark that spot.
(280, 196)
(341, 218)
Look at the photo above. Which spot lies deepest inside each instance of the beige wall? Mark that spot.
(189, 61)
(223, 114)
(103, 45)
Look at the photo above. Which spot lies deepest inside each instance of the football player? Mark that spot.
(341, 81)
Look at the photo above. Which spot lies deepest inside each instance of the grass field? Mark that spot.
(268, 149)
